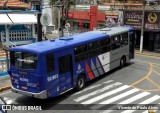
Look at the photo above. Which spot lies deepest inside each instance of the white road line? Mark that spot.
(130, 100)
(5, 93)
(148, 101)
(8, 100)
(92, 87)
(114, 98)
(97, 91)
(136, 97)
(90, 101)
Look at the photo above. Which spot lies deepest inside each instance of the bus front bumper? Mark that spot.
(41, 95)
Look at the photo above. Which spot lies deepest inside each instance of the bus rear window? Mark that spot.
(23, 60)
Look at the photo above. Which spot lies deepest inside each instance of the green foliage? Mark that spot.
(52, 2)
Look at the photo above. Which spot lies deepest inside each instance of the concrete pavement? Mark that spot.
(5, 83)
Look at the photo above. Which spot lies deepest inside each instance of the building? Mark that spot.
(13, 5)
(14, 29)
(89, 15)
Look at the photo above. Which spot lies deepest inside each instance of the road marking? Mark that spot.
(111, 100)
(8, 100)
(90, 101)
(148, 101)
(153, 82)
(150, 71)
(122, 94)
(148, 55)
(146, 77)
(5, 92)
(92, 87)
(97, 91)
(156, 72)
(136, 97)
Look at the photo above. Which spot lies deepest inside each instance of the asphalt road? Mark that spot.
(136, 83)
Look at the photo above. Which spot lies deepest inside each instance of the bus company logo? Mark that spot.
(6, 107)
(23, 79)
(152, 17)
(79, 67)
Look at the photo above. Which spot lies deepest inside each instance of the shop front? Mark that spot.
(151, 26)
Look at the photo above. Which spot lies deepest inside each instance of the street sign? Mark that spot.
(45, 19)
(67, 25)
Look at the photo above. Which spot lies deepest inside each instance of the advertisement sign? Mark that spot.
(111, 19)
(152, 20)
(133, 19)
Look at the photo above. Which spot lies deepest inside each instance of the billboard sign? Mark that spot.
(133, 19)
(152, 20)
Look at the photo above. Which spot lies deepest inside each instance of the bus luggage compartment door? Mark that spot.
(65, 72)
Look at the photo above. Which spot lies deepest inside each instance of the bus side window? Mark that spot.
(115, 42)
(80, 53)
(80, 49)
(105, 45)
(93, 48)
(50, 62)
(124, 39)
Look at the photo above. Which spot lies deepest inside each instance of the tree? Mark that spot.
(65, 6)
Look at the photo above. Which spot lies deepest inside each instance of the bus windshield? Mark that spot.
(23, 60)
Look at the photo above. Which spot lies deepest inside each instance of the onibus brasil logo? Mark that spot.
(2, 104)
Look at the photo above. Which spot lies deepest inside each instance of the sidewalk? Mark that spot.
(5, 83)
(147, 53)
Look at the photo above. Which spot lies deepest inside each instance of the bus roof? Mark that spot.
(70, 41)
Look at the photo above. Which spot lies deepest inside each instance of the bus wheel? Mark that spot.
(81, 82)
(122, 62)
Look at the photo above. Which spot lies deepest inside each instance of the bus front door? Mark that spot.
(65, 72)
(131, 45)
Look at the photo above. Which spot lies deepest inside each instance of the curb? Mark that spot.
(5, 88)
(4, 77)
(146, 54)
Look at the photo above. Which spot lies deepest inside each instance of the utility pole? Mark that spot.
(37, 3)
(62, 21)
(142, 27)
(39, 25)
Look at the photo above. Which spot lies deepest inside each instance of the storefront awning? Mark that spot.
(7, 19)
(4, 19)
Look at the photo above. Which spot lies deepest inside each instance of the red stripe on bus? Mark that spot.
(89, 72)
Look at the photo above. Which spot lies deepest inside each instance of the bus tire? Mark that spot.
(122, 62)
(81, 82)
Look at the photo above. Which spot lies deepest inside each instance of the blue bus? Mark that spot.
(50, 68)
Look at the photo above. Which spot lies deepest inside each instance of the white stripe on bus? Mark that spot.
(97, 91)
(90, 101)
